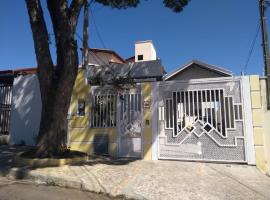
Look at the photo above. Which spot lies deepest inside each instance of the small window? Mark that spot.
(81, 107)
(140, 57)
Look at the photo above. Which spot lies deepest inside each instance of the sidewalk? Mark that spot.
(156, 179)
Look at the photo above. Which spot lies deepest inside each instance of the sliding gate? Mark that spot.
(201, 120)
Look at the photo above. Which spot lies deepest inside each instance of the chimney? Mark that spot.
(145, 51)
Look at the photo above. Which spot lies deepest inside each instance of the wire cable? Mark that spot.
(96, 28)
(252, 47)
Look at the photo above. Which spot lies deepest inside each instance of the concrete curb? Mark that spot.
(67, 182)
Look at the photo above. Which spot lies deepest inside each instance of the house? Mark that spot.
(98, 57)
(131, 108)
(98, 114)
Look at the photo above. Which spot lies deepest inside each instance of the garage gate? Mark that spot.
(201, 120)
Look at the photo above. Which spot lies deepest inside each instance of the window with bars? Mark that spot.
(103, 113)
(209, 106)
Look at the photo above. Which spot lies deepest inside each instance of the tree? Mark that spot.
(56, 81)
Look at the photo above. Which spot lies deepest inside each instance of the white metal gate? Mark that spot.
(130, 124)
(201, 120)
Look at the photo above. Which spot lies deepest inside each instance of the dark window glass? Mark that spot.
(140, 57)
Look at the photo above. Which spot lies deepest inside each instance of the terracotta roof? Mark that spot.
(109, 51)
(29, 70)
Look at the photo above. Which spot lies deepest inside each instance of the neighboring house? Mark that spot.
(200, 112)
(197, 70)
(98, 57)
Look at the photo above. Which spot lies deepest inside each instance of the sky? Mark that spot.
(218, 32)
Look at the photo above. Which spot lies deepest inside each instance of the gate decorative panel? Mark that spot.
(201, 121)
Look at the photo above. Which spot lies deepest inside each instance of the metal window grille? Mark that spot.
(5, 107)
(209, 106)
(103, 112)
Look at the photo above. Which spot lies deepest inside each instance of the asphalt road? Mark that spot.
(19, 191)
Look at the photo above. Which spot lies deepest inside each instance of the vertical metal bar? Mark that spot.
(193, 108)
(129, 108)
(229, 108)
(211, 114)
(185, 111)
(174, 113)
(188, 104)
(115, 110)
(198, 110)
(100, 111)
(169, 111)
(241, 112)
(107, 110)
(232, 112)
(91, 111)
(220, 114)
(206, 106)
(238, 111)
(225, 111)
(163, 113)
(94, 110)
(215, 107)
(180, 110)
(112, 110)
(167, 114)
(136, 101)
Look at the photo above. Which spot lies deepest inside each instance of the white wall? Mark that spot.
(145, 48)
(25, 110)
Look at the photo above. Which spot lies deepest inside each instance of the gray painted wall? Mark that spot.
(25, 110)
(195, 72)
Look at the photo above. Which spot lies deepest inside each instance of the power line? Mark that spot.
(96, 28)
(252, 47)
(97, 57)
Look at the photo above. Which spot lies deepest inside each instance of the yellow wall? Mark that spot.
(266, 125)
(260, 123)
(81, 136)
(147, 130)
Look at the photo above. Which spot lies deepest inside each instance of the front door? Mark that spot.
(130, 124)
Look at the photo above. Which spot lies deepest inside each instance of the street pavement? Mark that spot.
(137, 179)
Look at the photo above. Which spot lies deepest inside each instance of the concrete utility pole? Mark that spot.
(85, 35)
(263, 4)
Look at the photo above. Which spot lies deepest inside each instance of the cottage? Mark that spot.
(132, 108)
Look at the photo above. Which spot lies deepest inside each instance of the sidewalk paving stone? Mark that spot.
(155, 179)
